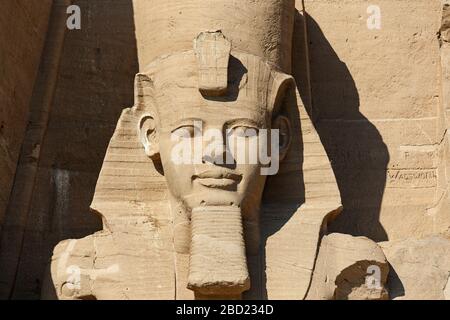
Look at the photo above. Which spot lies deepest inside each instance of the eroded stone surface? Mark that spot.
(420, 268)
(24, 26)
(349, 268)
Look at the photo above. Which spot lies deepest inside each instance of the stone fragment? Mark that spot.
(349, 268)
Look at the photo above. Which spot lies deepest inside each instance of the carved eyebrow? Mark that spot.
(242, 122)
(186, 122)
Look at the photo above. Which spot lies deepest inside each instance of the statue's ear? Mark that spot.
(144, 101)
(149, 136)
(282, 98)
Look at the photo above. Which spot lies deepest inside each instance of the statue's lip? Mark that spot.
(218, 179)
(218, 175)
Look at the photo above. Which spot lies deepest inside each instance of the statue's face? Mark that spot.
(212, 175)
(210, 147)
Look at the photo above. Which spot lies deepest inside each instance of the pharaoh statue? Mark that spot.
(204, 224)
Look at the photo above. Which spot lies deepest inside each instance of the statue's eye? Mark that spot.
(244, 131)
(187, 131)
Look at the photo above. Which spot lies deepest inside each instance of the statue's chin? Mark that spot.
(214, 197)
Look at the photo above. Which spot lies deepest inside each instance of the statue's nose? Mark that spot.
(214, 154)
(216, 151)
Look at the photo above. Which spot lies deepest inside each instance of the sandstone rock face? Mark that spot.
(23, 26)
(23, 29)
(365, 124)
(364, 84)
(445, 26)
(112, 266)
(420, 268)
(349, 268)
(443, 203)
(73, 114)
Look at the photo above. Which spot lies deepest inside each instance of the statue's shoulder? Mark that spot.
(68, 275)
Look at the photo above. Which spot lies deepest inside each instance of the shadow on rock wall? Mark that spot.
(95, 83)
(355, 147)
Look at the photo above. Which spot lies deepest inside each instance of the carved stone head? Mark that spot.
(214, 93)
(214, 115)
(211, 116)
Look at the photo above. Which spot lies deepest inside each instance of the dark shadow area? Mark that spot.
(356, 149)
(395, 285)
(236, 73)
(284, 193)
(95, 83)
